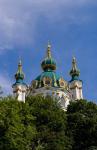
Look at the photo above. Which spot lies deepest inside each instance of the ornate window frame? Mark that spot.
(47, 81)
(63, 83)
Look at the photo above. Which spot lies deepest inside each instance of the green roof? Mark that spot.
(50, 74)
(48, 63)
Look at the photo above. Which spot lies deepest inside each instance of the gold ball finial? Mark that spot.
(49, 45)
(20, 62)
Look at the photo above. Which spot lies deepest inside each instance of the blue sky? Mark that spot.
(71, 26)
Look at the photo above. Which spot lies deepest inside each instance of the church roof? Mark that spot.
(49, 75)
(74, 72)
(19, 76)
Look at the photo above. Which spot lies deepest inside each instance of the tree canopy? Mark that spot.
(41, 124)
(82, 125)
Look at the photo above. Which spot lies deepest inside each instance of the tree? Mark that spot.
(17, 129)
(38, 124)
(82, 124)
(93, 148)
(41, 124)
(50, 123)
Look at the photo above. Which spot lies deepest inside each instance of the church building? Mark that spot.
(49, 83)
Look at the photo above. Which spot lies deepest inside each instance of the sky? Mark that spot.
(69, 25)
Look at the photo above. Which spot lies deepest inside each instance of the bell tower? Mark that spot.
(19, 88)
(75, 84)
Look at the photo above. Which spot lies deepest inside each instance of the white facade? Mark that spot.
(61, 95)
(76, 89)
(20, 92)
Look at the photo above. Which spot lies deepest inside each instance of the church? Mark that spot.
(49, 83)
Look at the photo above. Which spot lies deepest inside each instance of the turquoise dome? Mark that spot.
(74, 73)
(48, 76)
(19, 76)
(48, 64)
(51, 75)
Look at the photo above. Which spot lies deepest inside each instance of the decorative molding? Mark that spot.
(63, 83)
(34, 84)
(47, 81)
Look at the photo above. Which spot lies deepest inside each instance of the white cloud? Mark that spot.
(5, 83)
(19, 19)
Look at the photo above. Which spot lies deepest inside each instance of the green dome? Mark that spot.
(19, 76)
(74, 73)
(49, 78)
(48, 64)
(50, 75)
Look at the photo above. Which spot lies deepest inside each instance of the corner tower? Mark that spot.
(19, 87)
(75, 84)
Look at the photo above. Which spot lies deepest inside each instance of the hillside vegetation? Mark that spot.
(40, 124)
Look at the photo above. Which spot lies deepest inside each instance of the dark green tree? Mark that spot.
(51, 124)
(17, 129)
(38, 124)
(82, 124)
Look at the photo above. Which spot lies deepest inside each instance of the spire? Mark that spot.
(49, 50)
(48, 63)
(74, 65)
(19, 74)
(74, 73)
(20, 66)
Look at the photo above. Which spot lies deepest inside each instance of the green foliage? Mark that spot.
(93, 148)
(50, 123)
(40, 124)
(82, 124)
(17, 128)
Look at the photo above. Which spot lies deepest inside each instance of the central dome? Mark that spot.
(49, 78)
(48, 63)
